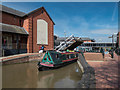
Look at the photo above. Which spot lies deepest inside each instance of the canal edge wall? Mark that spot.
(88, 79)
(22, 59)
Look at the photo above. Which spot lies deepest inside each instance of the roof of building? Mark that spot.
(12, 11)
(38, 10)
(21, 14)
(83, 38)
(86, 39)
(61, 38)
(13, 29)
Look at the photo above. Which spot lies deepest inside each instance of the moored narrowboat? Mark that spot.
(53, 59)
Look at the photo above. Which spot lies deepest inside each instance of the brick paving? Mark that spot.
(106, 72)
(97, 56)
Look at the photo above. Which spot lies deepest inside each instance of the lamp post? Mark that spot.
(112, 40)
(113, 36)
(112, 54)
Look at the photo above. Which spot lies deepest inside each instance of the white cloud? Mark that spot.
(75, 25)
(108, 26)
(114, 12)
(79, 26)
(104, 31)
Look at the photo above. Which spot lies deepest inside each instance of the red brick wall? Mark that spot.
(28, 26)
(10, 19)
(44, 16)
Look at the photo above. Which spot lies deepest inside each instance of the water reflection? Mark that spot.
(26, 75)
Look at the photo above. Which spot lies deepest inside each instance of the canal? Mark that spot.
(26, 75)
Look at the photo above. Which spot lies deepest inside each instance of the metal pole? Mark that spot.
(112, 41)
(113, 46)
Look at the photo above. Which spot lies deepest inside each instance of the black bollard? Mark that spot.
(112, 55)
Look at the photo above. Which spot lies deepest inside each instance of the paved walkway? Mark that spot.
(106, 72)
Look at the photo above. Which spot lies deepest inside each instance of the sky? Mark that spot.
(96, 20)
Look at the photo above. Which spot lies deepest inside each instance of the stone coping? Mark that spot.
(18, 56)
(88, 78)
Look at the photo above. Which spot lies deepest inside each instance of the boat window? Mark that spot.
(76, 55)
(67, 56)
(72, 56)
(57, 56)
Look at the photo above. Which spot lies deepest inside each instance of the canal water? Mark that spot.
(26, 75)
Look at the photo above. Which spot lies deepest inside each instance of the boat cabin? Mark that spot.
(53, 57)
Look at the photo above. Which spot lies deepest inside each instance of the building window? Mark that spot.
(7, 42)
(15, 38)
(20, 22)
(42, 32)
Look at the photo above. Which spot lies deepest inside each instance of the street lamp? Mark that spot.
(112, 44)
(112, 40)
(113, 36)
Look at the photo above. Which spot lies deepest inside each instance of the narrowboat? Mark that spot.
(53, 59)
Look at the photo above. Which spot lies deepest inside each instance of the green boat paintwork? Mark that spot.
(54, 57)
(47, 58)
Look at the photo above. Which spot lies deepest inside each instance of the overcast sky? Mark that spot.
(94, 20)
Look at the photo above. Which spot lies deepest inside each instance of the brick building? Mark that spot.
(118, 40)
(85, 39)
(26, 33)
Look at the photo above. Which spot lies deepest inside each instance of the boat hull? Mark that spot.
(55, 66)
